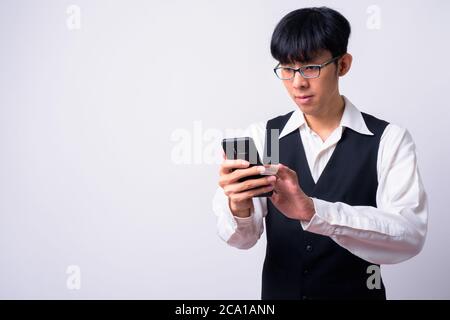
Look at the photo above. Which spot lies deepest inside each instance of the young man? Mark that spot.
(347, 194)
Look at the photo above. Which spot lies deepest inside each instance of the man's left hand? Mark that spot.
(288, 197)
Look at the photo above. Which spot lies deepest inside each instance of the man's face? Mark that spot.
(314, 96)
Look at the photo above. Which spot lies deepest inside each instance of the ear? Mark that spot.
(345, 62)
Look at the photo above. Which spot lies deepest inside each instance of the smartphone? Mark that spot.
(244, 148)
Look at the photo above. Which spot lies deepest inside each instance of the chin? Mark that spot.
(306, 108)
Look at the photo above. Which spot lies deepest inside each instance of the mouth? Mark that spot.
(303, 98)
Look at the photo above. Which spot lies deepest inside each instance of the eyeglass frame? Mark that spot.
(300, 69)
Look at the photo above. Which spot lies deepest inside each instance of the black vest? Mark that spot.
(305, 265)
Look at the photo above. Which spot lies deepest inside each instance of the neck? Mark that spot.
(330, 118)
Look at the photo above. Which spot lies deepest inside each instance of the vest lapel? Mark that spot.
(297, 161)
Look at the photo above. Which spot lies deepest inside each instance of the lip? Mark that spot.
(304, 98)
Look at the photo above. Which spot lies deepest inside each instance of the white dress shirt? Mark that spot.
(392, 232)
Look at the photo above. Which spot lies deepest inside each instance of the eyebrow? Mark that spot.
(301, 65)
(314, 61)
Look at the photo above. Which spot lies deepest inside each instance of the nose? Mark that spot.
(299, 82)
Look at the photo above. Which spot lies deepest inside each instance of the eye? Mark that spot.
(311, 71)
(311, 68)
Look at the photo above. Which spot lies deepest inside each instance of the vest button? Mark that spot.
(305, 271)
(309, 247)
(304, 298)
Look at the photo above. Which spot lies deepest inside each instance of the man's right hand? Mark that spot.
(240, 194)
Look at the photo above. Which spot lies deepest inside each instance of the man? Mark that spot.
(347, 194)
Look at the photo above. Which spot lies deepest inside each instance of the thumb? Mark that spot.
(274, 197)
(283, 171)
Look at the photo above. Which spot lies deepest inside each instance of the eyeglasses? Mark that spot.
(309, 71)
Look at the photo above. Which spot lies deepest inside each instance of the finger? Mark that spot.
(227, 178)
(249, 184)
(284, 171)
(242, 173)
(228, 165)
(269, 169)
(274, 197)
(258, 191)
(230, 171)
(241, 196)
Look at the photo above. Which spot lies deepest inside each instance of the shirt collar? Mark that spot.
(351, 118)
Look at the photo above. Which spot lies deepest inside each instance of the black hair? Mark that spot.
(302, 34)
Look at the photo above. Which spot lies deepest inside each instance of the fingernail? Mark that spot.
(272, 178)
(261, 169)
(270, 170)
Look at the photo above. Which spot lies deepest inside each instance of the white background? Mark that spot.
(88, 125)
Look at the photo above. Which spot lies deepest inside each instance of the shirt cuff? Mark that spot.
(319, 223)
(243, 222)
